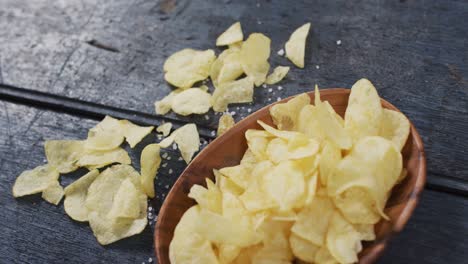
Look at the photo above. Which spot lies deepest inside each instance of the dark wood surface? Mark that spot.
(89, 58)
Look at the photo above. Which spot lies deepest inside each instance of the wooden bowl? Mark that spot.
(228, 149)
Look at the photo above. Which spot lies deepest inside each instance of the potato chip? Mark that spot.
(395, 127)
(191, 101)
(285, 115)
(165, 128)
(255, 198)
(357, 206)
(276, 247)
(311, 189)
(232, 35)
(257, 141)
(63, 154)
(186, 67)
(330, 156)
(209, 198)
(323, 256)
(295, 46)
(216, 66)
(227, 253)
(133, 133)
(187, 140)
(363, 115)
(303, 249)
(149, 163)
(225, 123)
(277, 75)
(288, 216)
(35, 180)
(235, 46)
(100, 159)
(75, 196)
(240, 91)
(53, 193)
(125, 204)
(239, 174)
(164, 105)
(255, 52)
(315, 231)
(366, 231)
(343, 241)
(103, 140)
(227, 185)
(231, 68)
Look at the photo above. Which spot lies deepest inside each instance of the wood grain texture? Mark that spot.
(414, 52)
(228, 149)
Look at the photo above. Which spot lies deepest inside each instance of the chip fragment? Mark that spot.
(191, 101)
(149, 163)
(239, 91)
(187, 140)
(394, 127)
(277, 75)
(75, 196)
(99, 159)
(64, 154)
(254, 54)
(53, 193)
(165, 128)
(295, 46)
(232, 35)
(35, 180)
(225, 123)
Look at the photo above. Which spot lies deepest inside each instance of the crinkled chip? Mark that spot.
(64, 154)
(187, 139)
(303, 249)
(255, 52)
(295, 47)
(75, 196)
(188, 66)
(149, 163)
(363, 115)
(208, 198)
(53, 193)
(164, 105)
(225, 123)
(126, 202)
(98, 159)
(357, 206)
(231, 68)
(165, 128)
(191, 101)
(330, 156)
(35, 180)
(277, 75)
(240, 91)
(285, 115)
(395, 127)
(232, 35)
(133, 133)
(343, 241)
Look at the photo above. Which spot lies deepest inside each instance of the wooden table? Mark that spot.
(66, 64)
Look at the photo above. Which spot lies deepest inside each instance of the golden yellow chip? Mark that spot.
(186, 67)
(232, 35)
(257, 141)
(303, 249)
(366, 231)
(363, 115)
(191, 101)
(255, 198)
(216, 66)
(236, 46)
(164, 105)
(343, 241)
(187, 139)
(277, 75)
(125, 203)
(227, 253)
(295, 46)
(53, 193)
(323, 256)
(312, 184)
(231, 69)
(357, 206)
(238, 174)
(133, 133)
(240, 91)
(75, 196)
(227, 185)
(285, 115)
(98, 159)
(165, 128)
(35, 180)
(255, 52)
(63, 154)
(225, 123)
(103, 140)
(395, 127)
(209, 198)
(276, 247)
(330, 156)
(149, 163)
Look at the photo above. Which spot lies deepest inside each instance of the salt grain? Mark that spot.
(164, 165)
(278, 99)
(280, 88)
(264, 86)
(167, 187)
(174, 146)
(213, 133)
(281, 52)
(232, 113)
(180, 159)
(169, 158)
(249, 110)
(270, 90)
(150, 260)
(164, 155)
(207, 117)
(338, 42)
(170, 171)
(317, 67)
(269, 99)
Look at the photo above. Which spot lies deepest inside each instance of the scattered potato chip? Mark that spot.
(191, 101)
(186, 67)
(75, 196)
(35, 180)
(303, 249)
(343, 241)
(231, 69)
(133, 133)
(100, 159)
(164, 105)
(187, 139)
(395, 127)
(165, 128)
(149, 163)
(363, 115)
(277, 75)
(285, 115)
(53, 193)
(240, 91)
(295, 46)
(254, 54)
(125, 203)
(236, 46)
(63, 154)
(232, 35)
(225, 123)
(103, 140)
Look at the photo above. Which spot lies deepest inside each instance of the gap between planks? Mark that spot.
(95, 111)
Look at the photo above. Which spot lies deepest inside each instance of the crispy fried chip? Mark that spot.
(103, 140)
(53, 193)
(225, 123)
(232, 35)
(164, 105)
(149, 163)
(240, 91)
(133, 133)
(75, 196)
(295, 46)
(165, 128)
(303, 249)
(63, 154)
(343, 241)
(125, 204)
(330, 156)
(98, 159)
(187, 139)
(323, 256)
(35, 180)
(186, 67)
(277, 75)
(232, 67)
(254, 54)
(191, 101)
(395, 127)
(208, 198)
(285, 115)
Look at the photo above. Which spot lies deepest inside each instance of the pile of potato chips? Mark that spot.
(309, 190)
(234, 73)
(114, 200)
